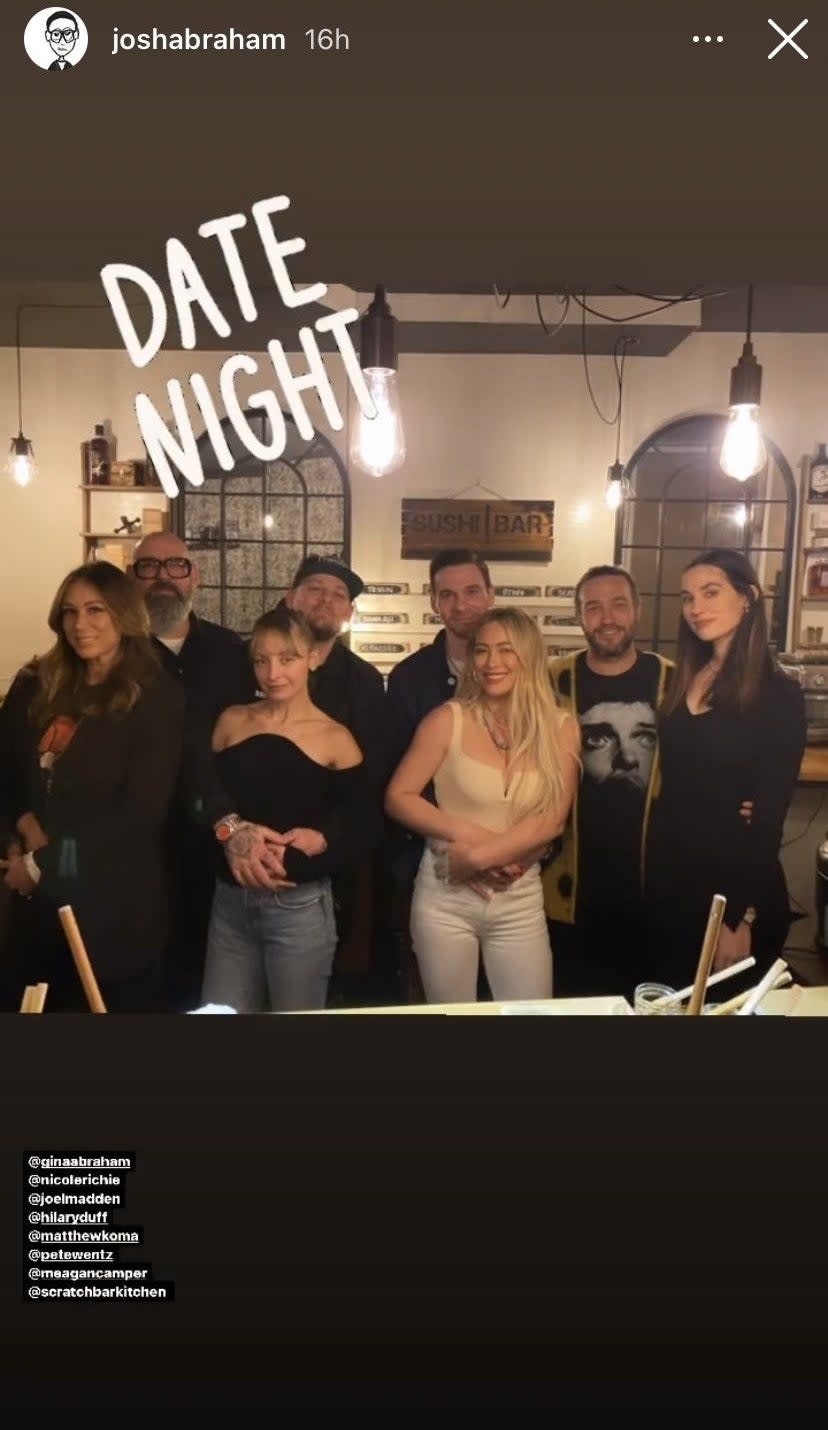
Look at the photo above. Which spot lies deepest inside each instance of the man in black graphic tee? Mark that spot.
(593, 886)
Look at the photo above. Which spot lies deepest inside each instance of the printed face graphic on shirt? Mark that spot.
(618, 742)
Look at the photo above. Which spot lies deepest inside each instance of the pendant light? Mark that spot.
(743, 452)
(378, 443)
(20, 464)
(617, 484)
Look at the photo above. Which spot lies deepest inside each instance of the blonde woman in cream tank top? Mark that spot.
(504, 761)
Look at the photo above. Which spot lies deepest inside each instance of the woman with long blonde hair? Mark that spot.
(503, 758)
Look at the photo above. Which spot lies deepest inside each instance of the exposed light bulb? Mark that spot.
(378, 443)
(21, 465)
(740, 515)
(743, 450)
(616, 485)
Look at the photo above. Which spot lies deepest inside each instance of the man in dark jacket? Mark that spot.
(344, 685)
(351, 691)
(461, 594)
(213, 666)
(210, 661)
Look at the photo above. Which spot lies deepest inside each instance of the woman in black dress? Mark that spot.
(732, 736)
(284, 765)
(91, 735)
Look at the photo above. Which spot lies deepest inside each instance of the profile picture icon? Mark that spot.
(55, 39)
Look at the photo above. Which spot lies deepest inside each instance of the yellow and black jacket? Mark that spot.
(560, 877)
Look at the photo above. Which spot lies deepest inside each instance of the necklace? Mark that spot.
(497, 740)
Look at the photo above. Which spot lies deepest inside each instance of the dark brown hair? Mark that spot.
(61, 672)
(748, 661)
(593, 574)
(458, 556)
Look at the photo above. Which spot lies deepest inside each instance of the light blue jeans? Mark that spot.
(270, 948)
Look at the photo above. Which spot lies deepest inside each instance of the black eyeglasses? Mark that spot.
(62, 34)
(146, 568)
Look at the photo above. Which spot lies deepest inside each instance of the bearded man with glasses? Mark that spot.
(213, 665)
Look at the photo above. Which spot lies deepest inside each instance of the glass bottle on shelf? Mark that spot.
(98, 459)
(818, 476)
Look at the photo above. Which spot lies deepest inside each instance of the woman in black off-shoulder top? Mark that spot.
(731, 739)
(284, 765)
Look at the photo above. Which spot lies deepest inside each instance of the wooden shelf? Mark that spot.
(814, 600)
(111, 487)
(133, 497)
(814, 767)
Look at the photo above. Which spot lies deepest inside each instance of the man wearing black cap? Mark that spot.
(349, 690)
(346, 687)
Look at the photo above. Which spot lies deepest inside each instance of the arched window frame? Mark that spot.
(230, 495)
(711, 431)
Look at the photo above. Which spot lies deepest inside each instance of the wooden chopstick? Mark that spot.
(718, 904)
(756, 995)
(734, 1004)
(39, 997)
(729, 972)
(34, 997)
(81, 957)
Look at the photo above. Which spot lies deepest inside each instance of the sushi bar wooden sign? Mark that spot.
(496, 530)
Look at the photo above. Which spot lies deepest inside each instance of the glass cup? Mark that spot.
(647, 995)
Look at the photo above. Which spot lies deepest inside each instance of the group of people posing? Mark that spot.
(209, 806)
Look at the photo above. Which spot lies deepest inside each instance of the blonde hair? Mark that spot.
(535, 717)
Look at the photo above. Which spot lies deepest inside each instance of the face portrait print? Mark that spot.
(618, 742)
(55, 39)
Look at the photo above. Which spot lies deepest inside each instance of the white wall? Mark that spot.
(522, 426)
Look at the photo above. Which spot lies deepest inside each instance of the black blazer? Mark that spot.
(105, 818)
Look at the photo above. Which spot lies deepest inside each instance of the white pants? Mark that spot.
(451, 926)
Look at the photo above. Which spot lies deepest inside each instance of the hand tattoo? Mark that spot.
(240, 844)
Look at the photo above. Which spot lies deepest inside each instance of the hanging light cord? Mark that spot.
(749, 324)
(618, 358)
(19, 381)
(565, 301)
(619, 369)
(694, 295)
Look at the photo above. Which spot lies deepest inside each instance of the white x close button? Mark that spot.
(787, 39)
